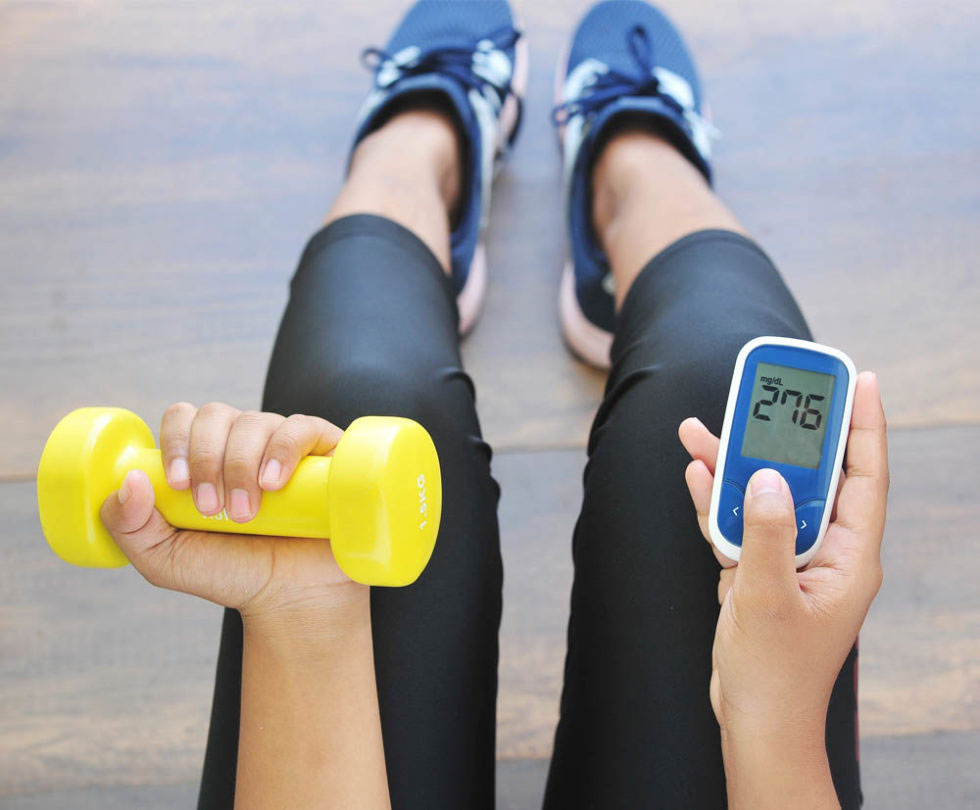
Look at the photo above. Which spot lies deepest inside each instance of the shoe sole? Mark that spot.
(588, 342)
(472, 297)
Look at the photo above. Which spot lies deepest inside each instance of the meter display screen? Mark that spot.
(788, 415)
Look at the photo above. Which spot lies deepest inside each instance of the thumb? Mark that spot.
(130, 518)
(217, 567)
(768, 558)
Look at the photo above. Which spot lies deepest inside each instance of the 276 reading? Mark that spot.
(787, 416)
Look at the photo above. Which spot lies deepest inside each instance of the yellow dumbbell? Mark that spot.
(378, 498)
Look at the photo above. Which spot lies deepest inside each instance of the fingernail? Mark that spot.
(207, 498)
(765, 481)
(271, 473)
(240, 506)
(179, 471)
(125, 491)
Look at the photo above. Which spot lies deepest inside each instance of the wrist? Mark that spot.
(784, 722)
(771, 709)
(800, 741)
(778, 764)
(311, 622)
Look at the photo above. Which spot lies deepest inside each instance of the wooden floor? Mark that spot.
(161, 165)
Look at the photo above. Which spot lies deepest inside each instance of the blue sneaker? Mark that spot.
(625, 57)
(472, 54)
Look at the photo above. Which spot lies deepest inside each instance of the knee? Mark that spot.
(704, 378)
(357, 388)
(695, 382)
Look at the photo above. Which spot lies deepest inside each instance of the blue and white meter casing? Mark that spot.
(789, 409)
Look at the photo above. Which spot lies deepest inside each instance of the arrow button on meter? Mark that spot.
(808, 517)
(730, 512)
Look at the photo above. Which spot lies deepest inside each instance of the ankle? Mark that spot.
(629, 164)
(418, 150)
(645, 196)
(408, 170)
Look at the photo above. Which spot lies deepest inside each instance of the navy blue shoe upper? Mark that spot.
(626, 58)
(465, 52)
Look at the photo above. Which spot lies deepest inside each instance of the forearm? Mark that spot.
(778, 768)
(310, 726)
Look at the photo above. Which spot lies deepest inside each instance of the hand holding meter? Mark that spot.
(784, 641)
(789, 409)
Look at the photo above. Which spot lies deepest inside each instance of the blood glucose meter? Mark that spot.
(789, 409)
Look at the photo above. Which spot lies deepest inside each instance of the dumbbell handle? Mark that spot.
(299, 509)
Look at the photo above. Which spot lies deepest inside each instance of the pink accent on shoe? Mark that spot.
(469, 302)
(583, 337)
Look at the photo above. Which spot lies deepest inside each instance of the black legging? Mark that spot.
(371, 329)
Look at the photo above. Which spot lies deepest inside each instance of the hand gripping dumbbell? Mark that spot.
(378, 498)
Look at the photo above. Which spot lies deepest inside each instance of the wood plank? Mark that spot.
(164, 163)
(151, 797)
(920, 651)
(103, 679)
(922, 770)
(904, 773)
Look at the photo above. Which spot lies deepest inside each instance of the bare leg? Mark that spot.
(408, 171)
(647, 195)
